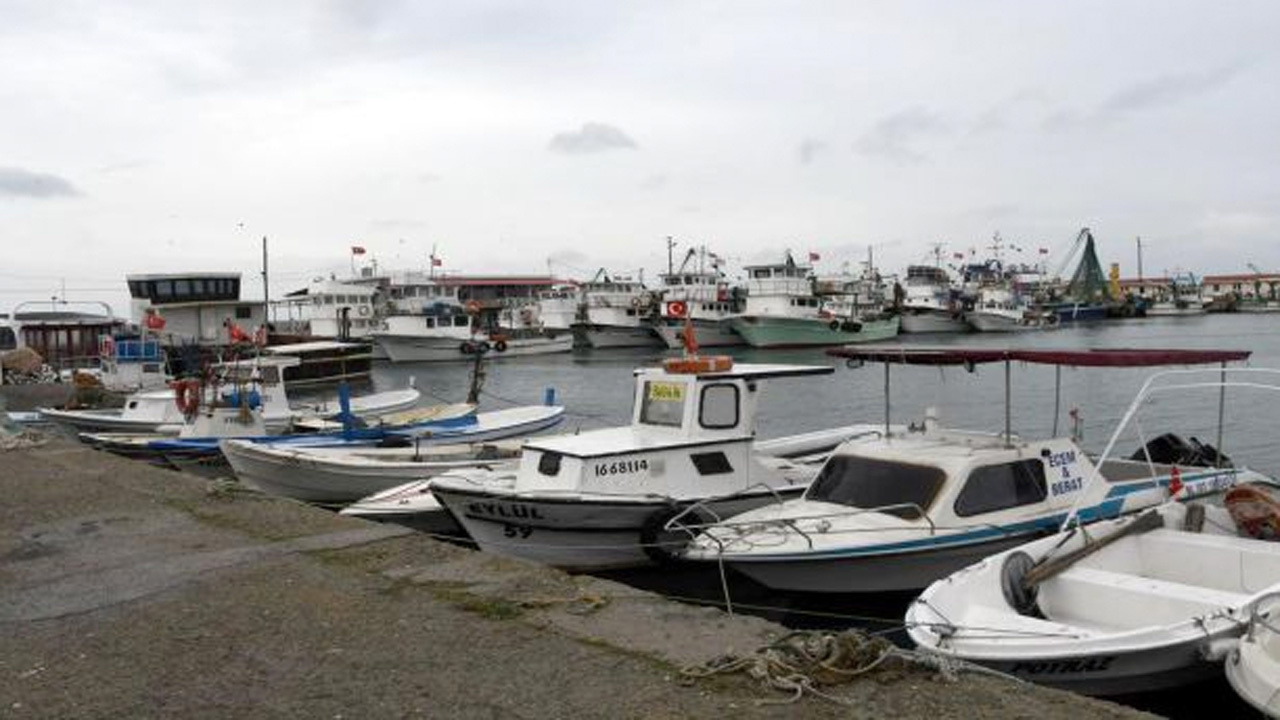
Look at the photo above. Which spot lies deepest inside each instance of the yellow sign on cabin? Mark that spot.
(666, 391)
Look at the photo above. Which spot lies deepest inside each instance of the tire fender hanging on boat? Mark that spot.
(663, 545)
(500, 346)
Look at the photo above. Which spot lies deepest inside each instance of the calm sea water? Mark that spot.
(596, 388)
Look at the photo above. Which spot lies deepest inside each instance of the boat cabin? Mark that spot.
(691, 434)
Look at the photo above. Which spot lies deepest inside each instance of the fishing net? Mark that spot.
(1088, 284)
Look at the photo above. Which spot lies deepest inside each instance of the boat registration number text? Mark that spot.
(621, 467)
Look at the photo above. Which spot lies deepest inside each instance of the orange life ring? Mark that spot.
(677, 308)
(186, 395)
(695, 364)
(472, 307)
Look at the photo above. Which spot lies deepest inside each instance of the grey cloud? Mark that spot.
(894, 137)
(25, 183)
(810, 149)
(592, 138)
(1167, 90)
(1145, 95)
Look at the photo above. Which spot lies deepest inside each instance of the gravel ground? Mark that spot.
(128, 591)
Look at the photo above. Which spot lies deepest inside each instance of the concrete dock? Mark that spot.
(131, 591)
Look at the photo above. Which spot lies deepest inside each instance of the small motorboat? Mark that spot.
(1253, 667)
(1129, 605)
(602, 498)
(412, 505)
(896, 509)
(343, 475)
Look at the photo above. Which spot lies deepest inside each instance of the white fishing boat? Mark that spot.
(697, 291)
(162, 411)
(601, 498)
(783, 310)
(1126, 605)
(448, 332)
(615, 313)
(1000, 308)
(897, 509)
(1253, 667)
(928, 303)
(1184, 296)
(343, 475)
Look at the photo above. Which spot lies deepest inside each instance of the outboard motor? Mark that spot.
(1171, 449)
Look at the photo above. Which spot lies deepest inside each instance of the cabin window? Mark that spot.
(8, 339)
(1000, 487)
(719, 410)
(431, 323)
(460, 321)
(549, 464)
(663, 403)
(711, 463)
(870, 483)
(243, 312)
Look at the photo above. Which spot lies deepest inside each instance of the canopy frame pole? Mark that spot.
(1057, 398)
(886, 400)
(1008, 405)
(1222, 404)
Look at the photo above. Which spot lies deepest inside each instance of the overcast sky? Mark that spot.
(171, 136)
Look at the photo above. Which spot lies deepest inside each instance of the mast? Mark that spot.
(1139, 257)
(671, 263)
(266, 295)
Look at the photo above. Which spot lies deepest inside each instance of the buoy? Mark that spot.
(694, 364)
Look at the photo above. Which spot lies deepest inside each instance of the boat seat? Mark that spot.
(1225, 562)
(1111, 600)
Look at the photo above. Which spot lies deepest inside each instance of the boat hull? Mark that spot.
(869, 573)
(577, 533)
(319, 479)
(418, 348)
(996, 322)
(615, 336)
(779, 332)
(1080, 313)
(932, 321)
(709, 333)
(1164, 310)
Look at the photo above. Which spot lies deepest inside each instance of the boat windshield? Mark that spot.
(870, 483)
(663, 403)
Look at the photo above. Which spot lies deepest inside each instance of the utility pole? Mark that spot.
(1139, 257)
(266, 294)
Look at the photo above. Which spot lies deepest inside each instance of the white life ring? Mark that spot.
(364, 310)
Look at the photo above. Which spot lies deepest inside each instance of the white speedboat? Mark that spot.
(453, 333)
(603, 498)
(1126, 605)
(342, 475)
(1253, 667)
(1147, 603)
(1183, 297)
(900, 508)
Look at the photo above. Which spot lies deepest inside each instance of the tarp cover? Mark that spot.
(1100, 357)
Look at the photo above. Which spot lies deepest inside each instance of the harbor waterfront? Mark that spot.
(133, 591)
(596, 388)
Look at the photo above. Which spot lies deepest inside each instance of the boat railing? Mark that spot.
(792, 523)
(1170, 381)
(1257, 618)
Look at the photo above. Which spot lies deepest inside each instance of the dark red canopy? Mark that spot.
(1133, 357)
